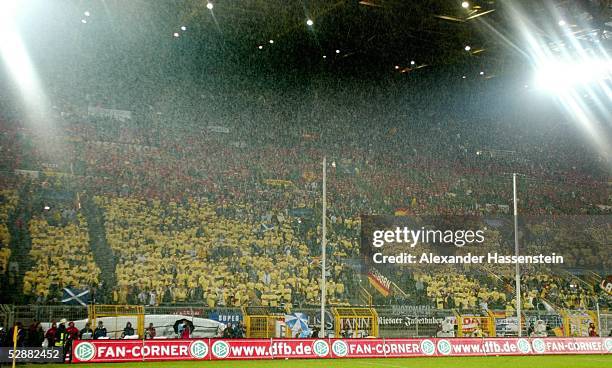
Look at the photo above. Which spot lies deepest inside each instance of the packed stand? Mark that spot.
(192, 213)
(8, 202)
(61, 255)
(199, 252)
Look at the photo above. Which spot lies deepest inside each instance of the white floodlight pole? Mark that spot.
(599, 331)
(323, 248)
(516, 252)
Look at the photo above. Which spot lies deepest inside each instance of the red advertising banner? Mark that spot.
(300, 348)
(270, 349)
(482, 347)
(460, 347)
(396, 348)
(577, 345)
(358, 348)
(139, 350)
(241, 349)
(507, 346)
(233, 349)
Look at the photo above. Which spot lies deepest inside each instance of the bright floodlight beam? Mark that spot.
(14, 53)
(210, 6)
(465, 5)
(309, 22)
(19, 67)
(563, 75)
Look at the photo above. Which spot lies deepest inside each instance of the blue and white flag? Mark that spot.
(76, 296)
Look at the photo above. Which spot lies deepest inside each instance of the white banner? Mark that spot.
(218, 129)
(121, 115)
(30, 173)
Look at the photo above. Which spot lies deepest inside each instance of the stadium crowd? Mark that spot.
(61, 255)
(8, 203)
(191, 252)
(229, 215)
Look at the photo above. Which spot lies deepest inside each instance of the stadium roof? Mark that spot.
(351, 35)
(140, 47)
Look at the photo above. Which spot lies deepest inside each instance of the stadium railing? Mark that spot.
(394, 321)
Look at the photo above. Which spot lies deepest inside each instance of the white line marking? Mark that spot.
(380, 364)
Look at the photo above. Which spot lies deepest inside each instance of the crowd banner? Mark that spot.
(606, 283)
(226, 316)
(31, 173)
(93, 351)
(218, 129)
(505, 326)
(379, 282)
(121, 115)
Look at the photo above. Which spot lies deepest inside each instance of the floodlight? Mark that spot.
(559, 75)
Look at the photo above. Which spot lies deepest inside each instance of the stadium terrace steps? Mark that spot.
(8, 203)
(102, 253)
(62, 256)
(20, 244)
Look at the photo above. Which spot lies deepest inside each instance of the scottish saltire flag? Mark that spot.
(73, 296)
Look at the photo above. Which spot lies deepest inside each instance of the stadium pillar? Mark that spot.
(516, 251)
(323, 248)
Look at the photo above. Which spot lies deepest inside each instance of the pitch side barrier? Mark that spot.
(92, 351)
